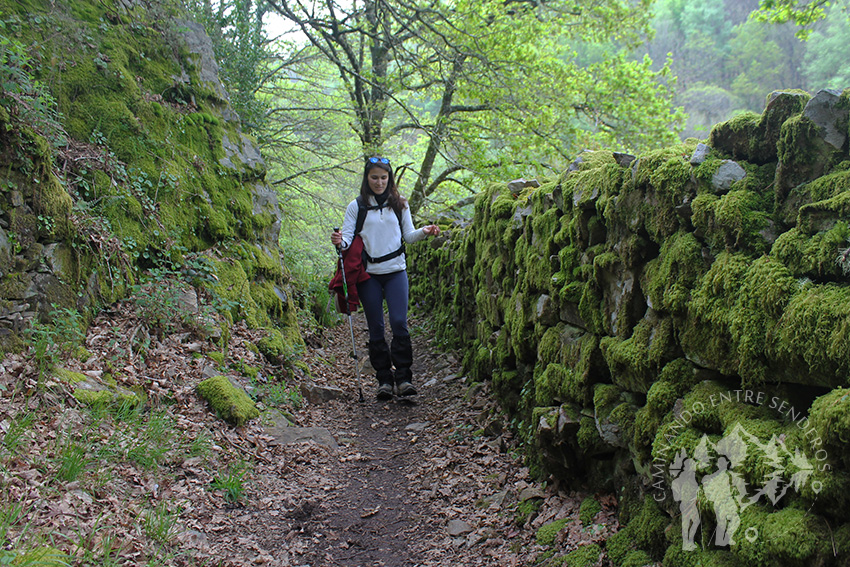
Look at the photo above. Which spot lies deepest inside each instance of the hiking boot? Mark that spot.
(406, 389)
(385, 392)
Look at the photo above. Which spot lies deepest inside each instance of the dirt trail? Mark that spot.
(432, 483)
(401, 472)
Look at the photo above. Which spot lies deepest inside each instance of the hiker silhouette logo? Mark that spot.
(712, 476)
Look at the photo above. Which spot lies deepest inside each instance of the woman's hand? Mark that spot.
(431, 230)
(336, 238)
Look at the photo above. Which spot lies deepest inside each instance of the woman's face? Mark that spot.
(378, 179)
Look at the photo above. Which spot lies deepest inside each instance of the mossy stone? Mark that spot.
(588, 510)
(584, 556)
(228, 401)
(547, 532)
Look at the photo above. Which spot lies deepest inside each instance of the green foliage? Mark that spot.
(242, 51)
(232, 481)
(827, 51)
(52, 342)
(802, 14)
(276, 393)
(160, 523)
(71, 459)
(24, 96)
(153, 441)
(16, 436)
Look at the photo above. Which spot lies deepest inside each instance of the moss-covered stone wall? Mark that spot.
(637, 310)
(121, 153)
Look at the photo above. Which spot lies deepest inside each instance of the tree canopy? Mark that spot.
(492, 88)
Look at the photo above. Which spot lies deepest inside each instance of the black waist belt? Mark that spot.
(385, 257)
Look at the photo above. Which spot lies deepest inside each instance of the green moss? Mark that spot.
(605, 395)
(69, 376)
(526, 509)
(94, 398)
(588, 437)
(637, 558)
(803, 155)
(585, 556)
(636, 362)
(280, 346)
(789, 536)
(830, 417)
(554, 384)
(648, 527)
(677, 557)
(229, 402)
(733, 136)
(588, 510)
(706, 334)
(766, 289)
(619, 546)
(823, 215)
(82, 354)
(669, 279)
(218, 357)
(814, 333)
(676, 379)
(732, 221)
(812, 256)
(547, 532)
(503, 206)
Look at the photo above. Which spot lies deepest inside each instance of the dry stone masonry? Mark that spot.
(675, 327)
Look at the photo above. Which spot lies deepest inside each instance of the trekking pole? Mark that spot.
(348, 311)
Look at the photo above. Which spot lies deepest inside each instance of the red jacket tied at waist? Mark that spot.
(355, 272)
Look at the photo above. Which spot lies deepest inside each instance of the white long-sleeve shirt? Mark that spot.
(381, 235)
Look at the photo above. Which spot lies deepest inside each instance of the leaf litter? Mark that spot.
(429, 483)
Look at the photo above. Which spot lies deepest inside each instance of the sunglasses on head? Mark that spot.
(383, 160)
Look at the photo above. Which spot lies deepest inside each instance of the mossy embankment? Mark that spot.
(121, 154)
(690, 302)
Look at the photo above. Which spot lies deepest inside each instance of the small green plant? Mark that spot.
(201, 444)
(152, 440)
(10, 515)
(159, 523)
(26, 98)
(16, 435)
(232, 482)
(50, 343)
(71, 460)
(277, 393)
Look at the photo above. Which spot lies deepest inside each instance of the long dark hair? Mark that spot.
(394, 198)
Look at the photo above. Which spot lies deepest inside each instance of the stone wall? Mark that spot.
(687, 306)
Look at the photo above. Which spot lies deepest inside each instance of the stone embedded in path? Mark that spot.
(285, 435)
(316, 394)
(458, 528)
(416, 427)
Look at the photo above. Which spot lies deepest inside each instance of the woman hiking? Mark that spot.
(381, 217)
